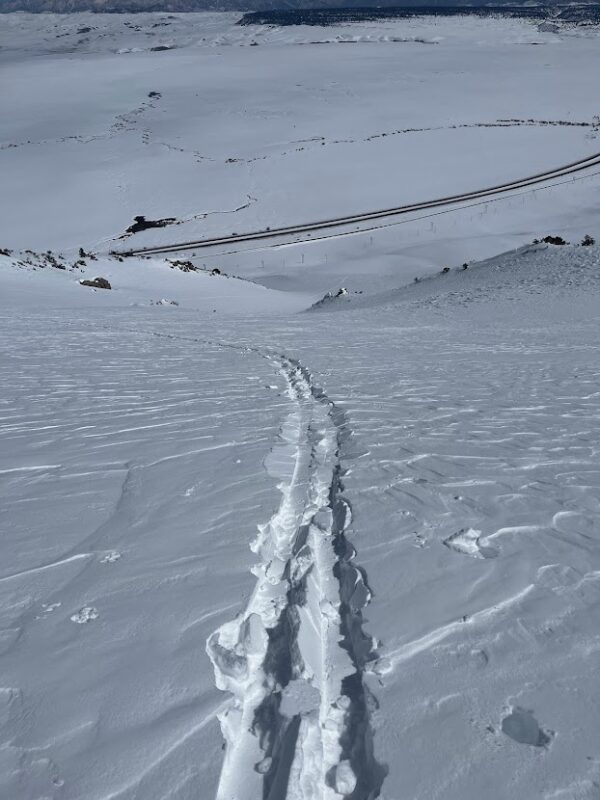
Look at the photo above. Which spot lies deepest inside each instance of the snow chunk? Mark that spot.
(299, 697)
(469, 542)
(345, 779)
(85, 614)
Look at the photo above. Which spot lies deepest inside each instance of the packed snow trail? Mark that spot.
(298, 724)
(298, 727)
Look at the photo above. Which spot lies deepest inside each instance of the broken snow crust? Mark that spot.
(282, 659)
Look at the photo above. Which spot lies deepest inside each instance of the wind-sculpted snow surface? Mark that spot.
(298, 726)
(150, 430)
(131, 479)
(476, 516)
(462, 420)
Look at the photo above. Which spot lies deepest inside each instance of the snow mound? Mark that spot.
(62, 280)
(540, 270)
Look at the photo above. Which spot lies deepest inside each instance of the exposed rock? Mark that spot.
(548, 27)
(184, 266)
(142, 224)
(96, 283)
(332, 297)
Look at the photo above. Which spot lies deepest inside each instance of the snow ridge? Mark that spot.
(298, 725)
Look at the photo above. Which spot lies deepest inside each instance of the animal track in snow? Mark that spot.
(521, 726)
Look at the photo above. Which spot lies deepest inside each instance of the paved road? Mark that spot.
(310, 227)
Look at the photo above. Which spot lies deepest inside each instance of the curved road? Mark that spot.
(309, 227)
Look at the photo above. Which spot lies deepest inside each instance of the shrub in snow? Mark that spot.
(553, 240)
(587, 241)
(184, 266)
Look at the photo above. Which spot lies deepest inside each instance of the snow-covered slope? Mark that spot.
(133, 483)
(253, 547)
(550, 274)
(42, 280)
(219, 135)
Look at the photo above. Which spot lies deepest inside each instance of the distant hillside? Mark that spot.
(133, 6)
(114, 6)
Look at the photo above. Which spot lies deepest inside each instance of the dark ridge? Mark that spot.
(336, 16)
(311, 12)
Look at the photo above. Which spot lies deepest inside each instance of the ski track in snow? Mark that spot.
(298, 722)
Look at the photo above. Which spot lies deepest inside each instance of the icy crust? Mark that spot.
(292, 661)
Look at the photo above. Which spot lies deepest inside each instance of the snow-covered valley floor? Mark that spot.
(254, 545)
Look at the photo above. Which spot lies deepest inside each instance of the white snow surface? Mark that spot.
(254, 545)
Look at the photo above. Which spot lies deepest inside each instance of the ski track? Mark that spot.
(298, 724)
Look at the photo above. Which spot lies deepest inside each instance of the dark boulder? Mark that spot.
(97, 283)
(143, 224)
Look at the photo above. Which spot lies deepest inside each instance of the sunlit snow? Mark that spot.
(285, 519)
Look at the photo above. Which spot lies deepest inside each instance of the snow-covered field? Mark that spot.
(257, 545)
